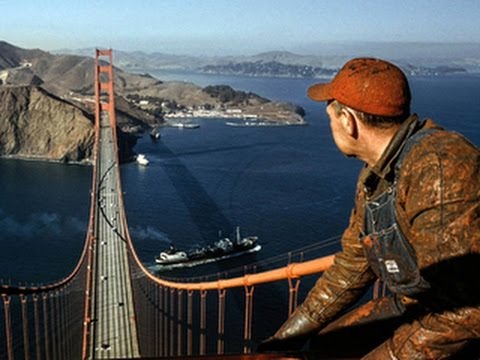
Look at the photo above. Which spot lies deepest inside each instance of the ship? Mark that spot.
(142, 160)
(155, 134)
(224, 248)
(185, 125)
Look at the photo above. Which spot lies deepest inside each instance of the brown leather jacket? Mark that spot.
(438, 210)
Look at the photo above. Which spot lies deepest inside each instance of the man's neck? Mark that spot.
(375, 141)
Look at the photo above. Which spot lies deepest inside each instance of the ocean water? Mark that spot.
(289, 186)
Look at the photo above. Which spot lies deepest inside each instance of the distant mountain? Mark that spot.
(135, 61)
(141, 60)
(396, 50)
(414, 58)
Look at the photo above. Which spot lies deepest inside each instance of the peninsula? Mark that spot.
(178, 100)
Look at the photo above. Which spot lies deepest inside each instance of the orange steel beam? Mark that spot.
(103, 69)
(104, 107)
(106, 52)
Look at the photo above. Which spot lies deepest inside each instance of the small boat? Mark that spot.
(142, 160)
(155, 134)
(186, 125)
(224, 248)
(231, 123)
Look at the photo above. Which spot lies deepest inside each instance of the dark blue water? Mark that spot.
(288, 185)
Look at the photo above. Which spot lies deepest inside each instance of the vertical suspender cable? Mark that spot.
(160, 321)
(203, 321)
(189, 322)
(26, 343)
(153, 319)
(69, 322)
(179, 322)
(37, 326)
(293, 286)
(64, 325)
(165, 321)
(60, 329)
(152, 329)
(172, 321)
(8, 324)
(247, 336)
(45, 326)
(221, 321)
(53, 317)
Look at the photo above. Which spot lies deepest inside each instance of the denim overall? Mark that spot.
(388, 252)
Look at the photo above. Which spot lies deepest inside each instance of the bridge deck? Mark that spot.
(113, 332)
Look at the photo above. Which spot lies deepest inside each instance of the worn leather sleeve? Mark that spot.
(346, 280)
(341, 285)
(438, 208)
(434, 336)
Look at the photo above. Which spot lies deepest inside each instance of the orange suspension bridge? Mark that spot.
(111, 306)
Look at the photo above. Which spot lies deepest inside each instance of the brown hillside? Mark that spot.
(35, 124)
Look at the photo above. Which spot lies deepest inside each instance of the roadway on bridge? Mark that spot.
(113, 329)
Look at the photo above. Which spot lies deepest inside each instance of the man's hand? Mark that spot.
(292, 335)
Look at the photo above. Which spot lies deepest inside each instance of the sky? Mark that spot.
(233, 27)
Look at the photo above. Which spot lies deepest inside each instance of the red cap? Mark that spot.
(369, 85)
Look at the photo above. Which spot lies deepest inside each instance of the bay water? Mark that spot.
(289, 186)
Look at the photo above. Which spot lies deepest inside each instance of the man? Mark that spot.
(415, 225)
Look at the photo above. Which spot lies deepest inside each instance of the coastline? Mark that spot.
(38, 158)
(280, 118)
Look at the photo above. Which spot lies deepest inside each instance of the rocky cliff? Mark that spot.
(36, 124)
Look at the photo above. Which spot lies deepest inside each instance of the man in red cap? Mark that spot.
(415, 226)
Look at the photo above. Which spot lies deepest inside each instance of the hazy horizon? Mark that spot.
(343, 48)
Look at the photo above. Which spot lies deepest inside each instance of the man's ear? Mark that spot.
(349, 123)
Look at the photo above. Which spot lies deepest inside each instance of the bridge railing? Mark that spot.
(45, 321)
(177, 318)
(233, 315)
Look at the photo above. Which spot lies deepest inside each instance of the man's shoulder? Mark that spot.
(440, 147)
(446, 143)
(436, 138)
